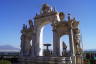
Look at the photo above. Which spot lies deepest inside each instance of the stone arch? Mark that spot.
(41, 37)
(47, 16)
(40, 26)
(63, 28)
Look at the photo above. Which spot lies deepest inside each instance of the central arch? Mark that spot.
(39, 36)
(42, 27)
(47, 40)
(47, 16)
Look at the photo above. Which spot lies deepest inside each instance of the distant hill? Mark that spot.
(90, 50)
(5, 48)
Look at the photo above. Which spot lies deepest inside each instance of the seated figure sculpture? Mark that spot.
(64, 53)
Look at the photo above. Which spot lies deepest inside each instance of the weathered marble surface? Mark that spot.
(32, 36)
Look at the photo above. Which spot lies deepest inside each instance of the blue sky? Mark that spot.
(14, 13)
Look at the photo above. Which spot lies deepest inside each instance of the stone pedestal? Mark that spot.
(46, 60)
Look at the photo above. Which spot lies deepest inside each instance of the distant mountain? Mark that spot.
(5, 48)
(90, 50)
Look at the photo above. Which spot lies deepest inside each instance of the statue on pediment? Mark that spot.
(46, 8)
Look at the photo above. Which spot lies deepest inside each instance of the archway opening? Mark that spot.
(46, 37)
(64, 45)
(48, 34)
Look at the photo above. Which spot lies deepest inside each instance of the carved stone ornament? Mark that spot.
(46, 8)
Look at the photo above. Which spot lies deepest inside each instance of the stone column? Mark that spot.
(71, 43)
(28, 47)
(33, 45)
(71, 40)
(78, 50)
(56, 43)
(22, 45)
(72, 51)
(39, 43)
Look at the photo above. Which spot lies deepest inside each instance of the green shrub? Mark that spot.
(5, 62)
